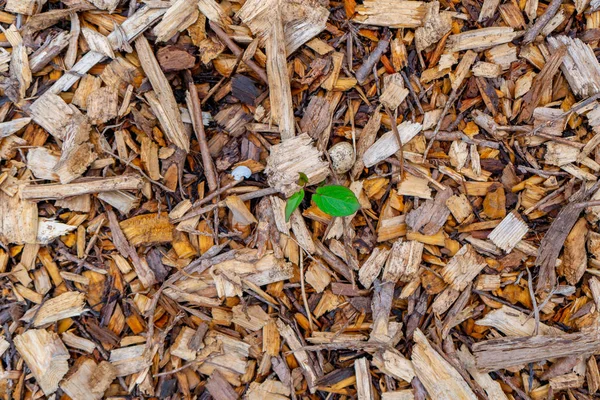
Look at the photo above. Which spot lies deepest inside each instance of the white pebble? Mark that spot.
(342, 157)
(241, 172)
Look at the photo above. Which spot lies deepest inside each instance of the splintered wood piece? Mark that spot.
(181, 346)
(487, 70)
(247, 265)
(364, 387)
(435, 27)
(280, 93)
(10, 127)
(18, 219)
(316, 118)
(89, 185)
(172, 59)
(53, 114)
(86, 87)
(574, 260)
(366, 140)
(371, 268)
(463, 267)
(328, 302)
(487, 283)
(560, 154)
(214, 12)
(71, 54)
(27, 7)
(253, 318)
(394, 93)
(552, 243)
(45, 355)
(240, 212)
(488, 9)
(391, 362)
(122, 201)
(109, 5)
(129, 360)
(592, 375)
(98, 42)
(166, 109)
(42, 56)
(102, 105)
(431, 216)
(391, 13)
(88, 380)
(414, 186)
(460, 207)
(541, 81)
(381, 306)
(403, 262)
(147, 229)
(219, 388)
(66, 305)
(230, 357)
(337, 59)
(233, 119)
(143, 271)
(491, 387)
(513, 322)
(178, 17)
(509, 232)
(398, 395)
(288, 334)
(480, 39)
(463, 68)
(440, 379)
(77, 342)
(131, 28)
(291, 157)
(566, 381)
(580, 66)
(509, 352)
(77, 152)
(302, 20)
(270, 390)
(387, 145)
(19, 70)
(271, 338)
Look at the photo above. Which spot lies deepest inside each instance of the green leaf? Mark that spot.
(336, 200)
(292, 203)
(303, 180)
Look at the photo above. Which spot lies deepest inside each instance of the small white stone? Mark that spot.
(342, 157)
(241, 172)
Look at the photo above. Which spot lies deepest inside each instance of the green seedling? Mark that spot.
(335, 200)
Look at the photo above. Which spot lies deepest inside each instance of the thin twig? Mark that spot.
(198, 125)
(198, 203)
(394, 117)
(365, 69)
(536, 311)
(236, 50)
(304, 298)
(414, 96)
(453, 96)
(541, 21)
(141, 172)
(244, 197)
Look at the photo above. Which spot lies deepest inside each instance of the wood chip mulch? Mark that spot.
(147, 149)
